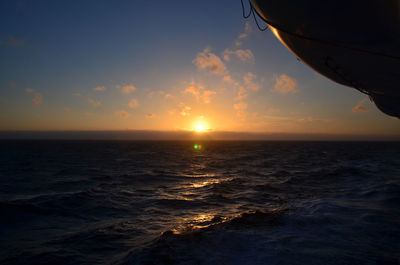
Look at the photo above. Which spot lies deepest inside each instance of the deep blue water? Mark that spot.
(118, 202)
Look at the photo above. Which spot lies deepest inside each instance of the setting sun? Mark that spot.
(200, 125)
(199, 128)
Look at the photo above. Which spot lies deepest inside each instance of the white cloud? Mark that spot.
(122, 113)
(206, 60)
(285, 84)
(133, 103)
(126, 89)
(94, 103)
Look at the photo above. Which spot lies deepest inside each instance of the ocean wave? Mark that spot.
(186, 244)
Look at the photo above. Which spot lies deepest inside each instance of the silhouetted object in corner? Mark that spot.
(354, 43)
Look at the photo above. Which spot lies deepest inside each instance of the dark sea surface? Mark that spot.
(121, 202)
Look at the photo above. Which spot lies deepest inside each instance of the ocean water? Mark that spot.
(121, 202)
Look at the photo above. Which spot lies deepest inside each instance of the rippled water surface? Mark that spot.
(116, 202)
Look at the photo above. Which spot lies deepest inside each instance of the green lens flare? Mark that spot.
(197, 146)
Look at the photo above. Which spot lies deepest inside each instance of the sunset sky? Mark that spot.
(164, 65)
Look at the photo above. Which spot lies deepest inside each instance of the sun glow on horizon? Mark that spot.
(200, 128)
(200, 125)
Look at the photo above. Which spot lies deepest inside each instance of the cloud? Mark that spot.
(248, 80)
(207, 60)
(122, 113)
(184, 109)
(206, 96)
(168, 96)
(227, 78)
(243, 55)
(194, 89)
(152, 93)
(244, 35)
(126, 89)
(240, 107)
(150, 115)
(37, 99)
(199, 92)
(99, 88)
(94, 103)
(77, 94)
(285, 84)
(12, 41)
(133, 103)
(241, 94)
(360, 107)
(66, 109)
(312, 119)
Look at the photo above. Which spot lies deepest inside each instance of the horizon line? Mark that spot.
(129, 134)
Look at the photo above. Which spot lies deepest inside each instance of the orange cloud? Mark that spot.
(240, 107)
(227, 78)
(94, 103)
(152, 93)
(150, 115)
(29, 90)
(122, 113)
(250, 83)
(241, 94)
(168, 95)
(194, 89)
(206, 96)
(133, 103)
(199, 92)
(184, 109)
(99, 88)
(126, 89)
(244, 35)
(285, 84)
(207, 60)
(243, 55)
(360, 107)
(37, 99)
